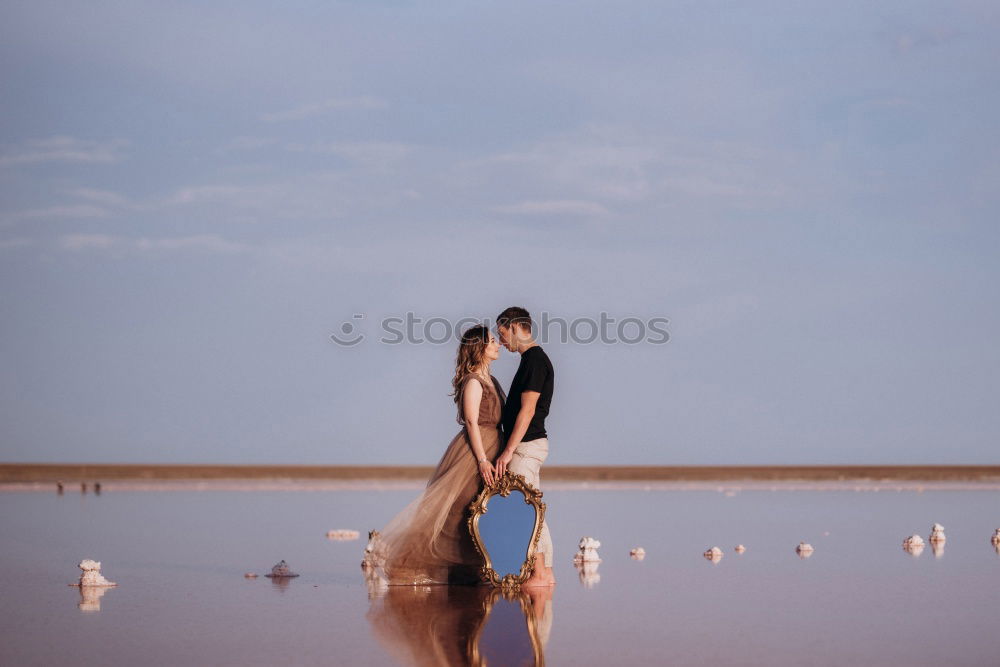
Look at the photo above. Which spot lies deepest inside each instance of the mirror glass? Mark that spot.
(462, 625)
(506, 529)
(506, 639)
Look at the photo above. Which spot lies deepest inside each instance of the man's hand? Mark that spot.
(504, 461)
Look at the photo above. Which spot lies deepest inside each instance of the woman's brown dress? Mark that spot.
(428, 542)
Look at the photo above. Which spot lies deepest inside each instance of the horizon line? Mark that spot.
(53, 472)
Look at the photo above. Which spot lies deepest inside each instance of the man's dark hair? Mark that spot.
(514, 315)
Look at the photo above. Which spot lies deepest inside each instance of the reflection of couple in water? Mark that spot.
(463, 625)
(428, 542)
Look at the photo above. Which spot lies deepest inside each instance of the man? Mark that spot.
(523, 420)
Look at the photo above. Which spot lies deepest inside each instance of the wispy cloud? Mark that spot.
(320, 108)
(633, 167)
(365, 153)
(372, 154)
(50, 212)
(208, 242)
(199, 242)
(555, 207)
(105, 197)
(96, 204)
(62, 148)
(207, 193)
(85, 241)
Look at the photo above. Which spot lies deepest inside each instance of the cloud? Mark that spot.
(72, 211)
(85, 241)
(209, 242)
(320, 108)
(100, 204)
(555, 207)
(61, 148)
(105, 197)
(634, 167)
(203, 242)
(203, 193)
(379, 154)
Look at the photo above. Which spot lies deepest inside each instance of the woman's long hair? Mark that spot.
(471, 352)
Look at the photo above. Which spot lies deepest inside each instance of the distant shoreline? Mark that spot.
(90, 472)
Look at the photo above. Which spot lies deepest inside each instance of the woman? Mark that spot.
(429, 541)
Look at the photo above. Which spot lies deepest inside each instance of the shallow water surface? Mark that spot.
(179, 557)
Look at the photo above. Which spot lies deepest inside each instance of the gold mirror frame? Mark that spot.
(532, 496)
(511, 595)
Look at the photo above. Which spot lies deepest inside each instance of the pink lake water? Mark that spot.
(179, 554)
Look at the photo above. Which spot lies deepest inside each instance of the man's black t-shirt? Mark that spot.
(534, 374)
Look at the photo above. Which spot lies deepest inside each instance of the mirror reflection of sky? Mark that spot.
(506, 530)
(505, 639)
(194, 196)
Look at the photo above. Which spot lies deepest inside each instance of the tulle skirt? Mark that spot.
(429, 542)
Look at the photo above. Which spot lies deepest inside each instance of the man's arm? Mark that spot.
(529, 399)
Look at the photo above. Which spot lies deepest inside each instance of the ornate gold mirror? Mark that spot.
(463, 625)
(505, 521)
(514, 629)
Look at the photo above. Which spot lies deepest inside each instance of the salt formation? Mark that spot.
(914, 544)
(996, 537)
(638, 553)
(281, 571)
(804, 550)
(377, 586)
(342, 534)
(371, 550)
(250, 575)
(588, 551)
(90, 597)
(937, 534)
(376, 582)
(587, 570)
(714, 554)
(92, 575)
(740, 548)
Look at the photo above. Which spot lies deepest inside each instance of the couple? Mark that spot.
(428, 542)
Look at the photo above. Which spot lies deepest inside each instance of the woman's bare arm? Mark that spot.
(472, 396)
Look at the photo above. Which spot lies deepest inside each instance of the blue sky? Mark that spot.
(195, 196)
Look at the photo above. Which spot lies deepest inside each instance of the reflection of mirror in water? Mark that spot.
(505, 530)
(506, 639)
(462, 625)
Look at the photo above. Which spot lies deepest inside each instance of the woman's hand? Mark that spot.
(486, 470)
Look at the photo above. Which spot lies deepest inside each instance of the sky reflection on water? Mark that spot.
(179, 559)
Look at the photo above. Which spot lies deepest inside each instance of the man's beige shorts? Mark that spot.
(528, 459)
